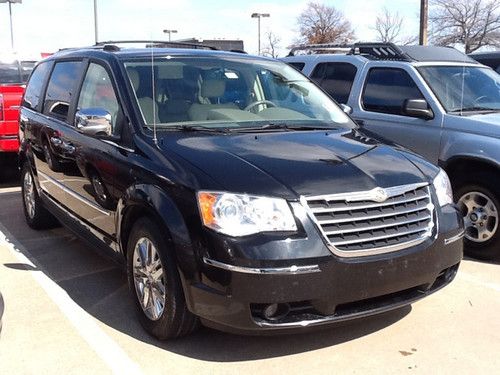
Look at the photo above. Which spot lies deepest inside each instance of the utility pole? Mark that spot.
(96, 30)
(424, 15)
(259, 16)
(10, 2)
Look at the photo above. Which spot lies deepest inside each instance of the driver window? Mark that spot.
(98, 92)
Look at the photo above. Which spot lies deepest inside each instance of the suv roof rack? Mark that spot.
(152, 44)
(379, 51)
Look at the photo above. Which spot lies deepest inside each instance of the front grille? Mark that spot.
(356, 222)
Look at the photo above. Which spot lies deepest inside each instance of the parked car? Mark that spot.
(491, 59)
(13, 76)
(233, 189)
(435, 101)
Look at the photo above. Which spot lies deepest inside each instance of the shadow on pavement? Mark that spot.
(100, 288)
(9, 173)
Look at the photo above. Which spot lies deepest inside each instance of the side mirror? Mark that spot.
(346, 108)
(417, 108)
(93, 121)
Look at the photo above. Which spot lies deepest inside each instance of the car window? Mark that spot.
(10, 73)
(297, 65)
(61, 89)
(33, 92)
(98, 92)
(387, 89)
(26, 69)
(336, 79)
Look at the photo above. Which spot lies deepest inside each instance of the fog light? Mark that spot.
(276, 311)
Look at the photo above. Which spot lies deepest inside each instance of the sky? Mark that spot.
(48, 25)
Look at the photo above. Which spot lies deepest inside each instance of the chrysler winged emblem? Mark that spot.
(379, 195)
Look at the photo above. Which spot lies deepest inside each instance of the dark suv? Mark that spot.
(232, 188)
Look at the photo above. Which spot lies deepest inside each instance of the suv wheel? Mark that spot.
(155, 283)
(36, 215)
(480, 207)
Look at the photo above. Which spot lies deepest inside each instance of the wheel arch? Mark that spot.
(151, 201)
(460, 166)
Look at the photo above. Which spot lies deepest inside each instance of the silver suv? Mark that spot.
(435, 101)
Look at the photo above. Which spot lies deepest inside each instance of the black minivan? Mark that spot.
(234, 190)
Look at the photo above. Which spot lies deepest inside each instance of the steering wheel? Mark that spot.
(259, 102)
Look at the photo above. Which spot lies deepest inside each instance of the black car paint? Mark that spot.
(160, 179)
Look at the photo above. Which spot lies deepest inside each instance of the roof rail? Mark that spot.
(379, 51)
(155, 43)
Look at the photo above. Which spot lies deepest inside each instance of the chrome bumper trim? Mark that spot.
(455, 238)
(292, 270)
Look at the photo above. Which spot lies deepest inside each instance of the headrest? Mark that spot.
(170, 71)
(213, 88)
(134, 78)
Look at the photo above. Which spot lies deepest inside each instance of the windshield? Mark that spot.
(15, 72)
(229, 93)
(464, 88)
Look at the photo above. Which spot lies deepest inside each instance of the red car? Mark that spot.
(13, 76)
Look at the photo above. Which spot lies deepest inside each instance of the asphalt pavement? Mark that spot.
(68, 311)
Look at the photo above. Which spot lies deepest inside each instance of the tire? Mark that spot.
(174, 320)
(37, 216)
(485, 199)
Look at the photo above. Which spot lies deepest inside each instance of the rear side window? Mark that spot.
(387, 89)
(336, 79)
(35, 85)
(297, 65)
(61, 89)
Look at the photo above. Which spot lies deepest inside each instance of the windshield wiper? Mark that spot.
(282, 126)
(197, 128)
(474, 109)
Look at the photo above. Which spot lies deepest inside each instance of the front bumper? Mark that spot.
(325, 289)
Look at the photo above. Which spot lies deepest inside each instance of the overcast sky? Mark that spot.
(47, 25)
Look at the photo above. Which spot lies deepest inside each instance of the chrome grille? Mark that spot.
(374, 221)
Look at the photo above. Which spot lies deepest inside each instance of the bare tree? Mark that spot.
(320, 23)
(473, 23)
(389, 26)
(272, 45)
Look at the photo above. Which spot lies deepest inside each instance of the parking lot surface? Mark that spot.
(68, 310)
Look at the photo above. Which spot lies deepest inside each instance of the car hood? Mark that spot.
(295, 163)
(484, 124)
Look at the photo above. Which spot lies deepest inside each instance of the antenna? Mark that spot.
(155, 138)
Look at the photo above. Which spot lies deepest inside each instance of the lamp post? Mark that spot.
(96, 30)
(169, 32)
(259, 16)
(10, 2)
(424, 15)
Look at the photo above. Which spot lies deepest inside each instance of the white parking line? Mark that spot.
(473, 279)
(14, 189)
(107, 349)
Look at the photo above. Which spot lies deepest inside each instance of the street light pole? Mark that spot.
(169, 32)
(96, 29)
(10, 2)
(259, 16)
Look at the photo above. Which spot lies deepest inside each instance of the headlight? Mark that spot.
(241, 214)
(443, 188)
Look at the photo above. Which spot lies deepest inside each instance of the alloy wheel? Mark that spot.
(480, 216)
(149, 278)
(29, 194)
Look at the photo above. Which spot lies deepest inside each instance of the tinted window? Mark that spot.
(34, 89)
(297, 65)
(98, 92)
(26, 68)
(386, 90)
(336, 79)
(10, 73)
(61, 88)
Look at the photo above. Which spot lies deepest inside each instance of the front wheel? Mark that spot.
(155, 283)
(480, 207)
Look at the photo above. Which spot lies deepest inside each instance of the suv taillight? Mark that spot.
(1, 107)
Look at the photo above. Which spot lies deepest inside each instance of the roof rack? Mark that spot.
(379, 51)
(152, 44)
